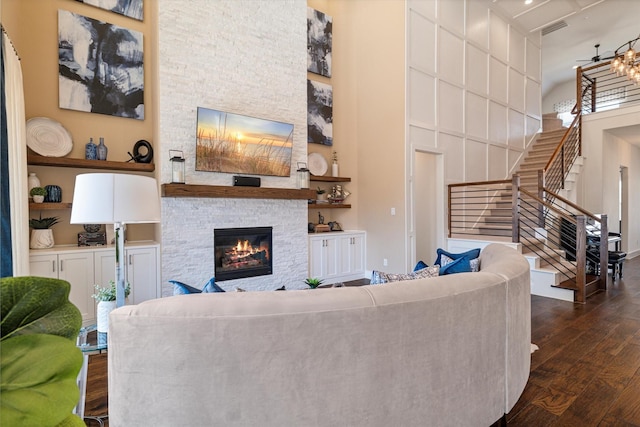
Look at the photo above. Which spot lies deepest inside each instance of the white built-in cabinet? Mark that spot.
(337, 256)
(84, 267)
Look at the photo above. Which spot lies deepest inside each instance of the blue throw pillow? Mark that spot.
(461, 265)
(180, 288)
(420, 265)
(471, 254)
(211, 286)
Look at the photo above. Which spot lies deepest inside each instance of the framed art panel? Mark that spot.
(319, 41)
(130, 8)
(319, 113)
(100, 67)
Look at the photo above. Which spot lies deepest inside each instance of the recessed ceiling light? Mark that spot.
(528, 1)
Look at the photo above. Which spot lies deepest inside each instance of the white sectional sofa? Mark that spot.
(447, 351)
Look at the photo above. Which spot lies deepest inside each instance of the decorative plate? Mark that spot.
(48, 137)
(317, 164)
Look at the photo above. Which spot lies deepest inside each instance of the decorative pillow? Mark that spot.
(473, 253)
(180, 288)
(460, 265)
(475, 263)
(211, 286)
(420, 265)
(378, 277)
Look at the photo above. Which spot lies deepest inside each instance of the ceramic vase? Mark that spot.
(38, 199)
(104, 308)
(54, 194)
(102, 150)
(33, 181)
(90, 150)
(334, 169)
(41, 239)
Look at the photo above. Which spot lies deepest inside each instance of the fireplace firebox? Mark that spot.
(242, 252)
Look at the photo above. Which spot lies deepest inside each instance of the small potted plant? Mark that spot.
(41, 233)
(106, 298)
(321, 195)
(38, 193)
(313, 282)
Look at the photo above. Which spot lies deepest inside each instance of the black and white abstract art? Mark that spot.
(319, 113)
(100, 67)
(319, 36)
(130, 8)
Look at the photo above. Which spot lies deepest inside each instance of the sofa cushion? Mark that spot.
(420, 265)
(460, 265)
(378, 277)
(180, 288)
(475, 263)
(471, 254)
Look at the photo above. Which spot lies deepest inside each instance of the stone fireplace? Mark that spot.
(242, 252)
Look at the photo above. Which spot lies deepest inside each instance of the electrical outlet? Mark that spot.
(385, 262)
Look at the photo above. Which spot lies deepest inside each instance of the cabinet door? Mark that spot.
(316, 247)
(356, 253)
(104, 263)
(323, 257)
(77, 269)
(43, 266)
(142, 274)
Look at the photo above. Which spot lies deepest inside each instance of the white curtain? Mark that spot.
(14, 95)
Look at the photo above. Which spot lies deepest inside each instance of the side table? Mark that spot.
(90, 341)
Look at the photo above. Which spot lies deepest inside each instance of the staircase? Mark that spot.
(484, 212)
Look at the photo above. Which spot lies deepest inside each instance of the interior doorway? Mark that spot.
(427, 206)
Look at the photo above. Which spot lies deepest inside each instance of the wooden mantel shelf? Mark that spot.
(220, 191)
(65, 162)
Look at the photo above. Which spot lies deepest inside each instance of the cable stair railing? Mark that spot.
(563, 236)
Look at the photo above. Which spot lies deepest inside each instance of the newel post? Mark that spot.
(541, 197)
(515, 208)
(581, 259)
(604, 252)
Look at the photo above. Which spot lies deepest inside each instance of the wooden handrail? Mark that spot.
(549, 206)
(573, 205)
(468, 184)
(562, 142)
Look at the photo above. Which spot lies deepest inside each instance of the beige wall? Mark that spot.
(38, 51)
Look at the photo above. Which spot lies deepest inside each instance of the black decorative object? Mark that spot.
(54, 194)
(142, 158)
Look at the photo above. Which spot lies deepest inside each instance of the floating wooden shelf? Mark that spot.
(65, 162)
(219, 191)
(329, 206)
(329, 178)
(48, 206)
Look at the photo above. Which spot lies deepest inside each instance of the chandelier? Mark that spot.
(626, 63)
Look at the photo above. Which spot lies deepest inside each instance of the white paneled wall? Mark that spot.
(473, 87)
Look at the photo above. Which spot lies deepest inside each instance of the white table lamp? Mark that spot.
(118, 199)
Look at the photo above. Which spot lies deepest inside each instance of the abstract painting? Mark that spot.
(319, 37)
(319, 113)
(130, 8)
(100, 67)
(233, 143)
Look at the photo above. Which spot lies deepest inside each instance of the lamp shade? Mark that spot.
(108, 198)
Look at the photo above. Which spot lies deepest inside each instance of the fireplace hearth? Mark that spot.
(242, 252)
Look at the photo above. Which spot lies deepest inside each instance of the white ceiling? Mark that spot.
(609, 23)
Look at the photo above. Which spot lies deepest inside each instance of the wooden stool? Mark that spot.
(616, 260)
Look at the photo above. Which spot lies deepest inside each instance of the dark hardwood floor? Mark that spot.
(586, 373)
